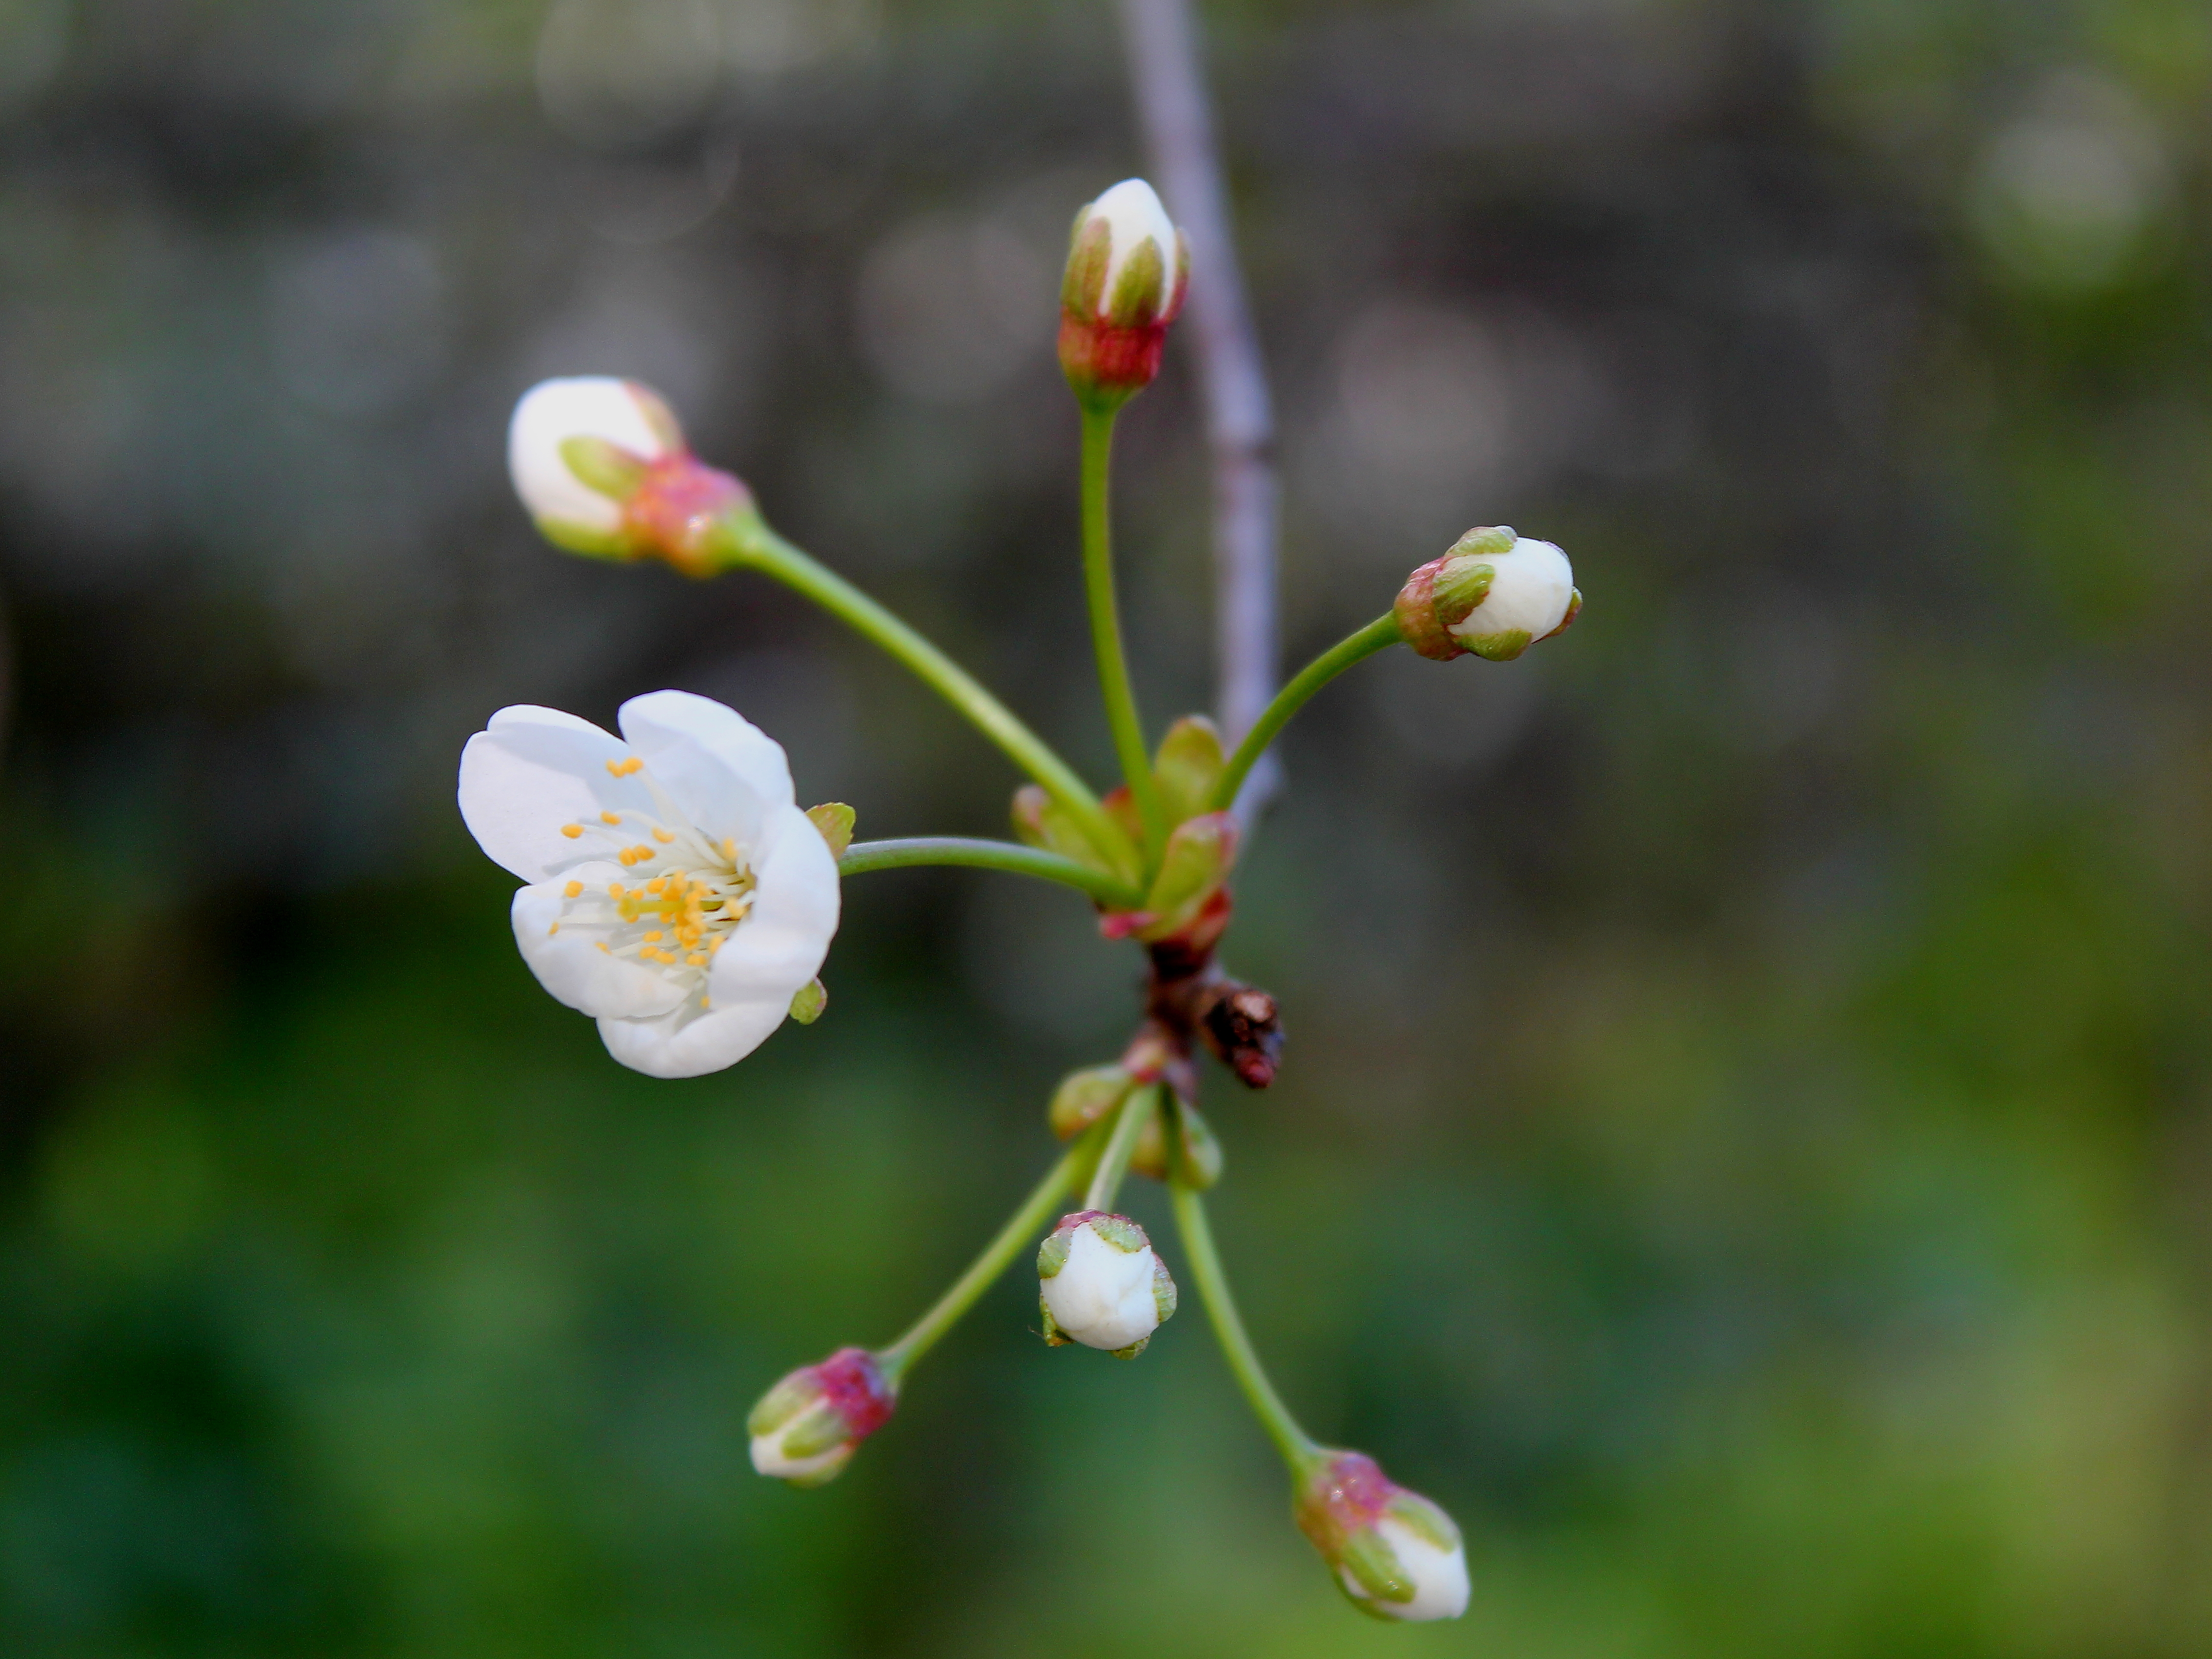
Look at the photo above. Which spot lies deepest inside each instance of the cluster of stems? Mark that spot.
(1095, 1164)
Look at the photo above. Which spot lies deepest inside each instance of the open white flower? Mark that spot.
(577, 448)
(677, 894)
(1100, 1283)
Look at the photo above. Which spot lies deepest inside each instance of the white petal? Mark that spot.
(1530, 592)
(532, 770)
(1135, 211)
(780, 944)
(1103, 1296)
(550, 413)
(721, 769)
(691, 1043)
(1440, 1586)
(570, 965)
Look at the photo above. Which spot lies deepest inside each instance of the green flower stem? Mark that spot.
(744, 539)
(865, 855)
(1021, 1231)
(1299, 1449)
(1378, 635)
(1114, 1163)
(1106, 627)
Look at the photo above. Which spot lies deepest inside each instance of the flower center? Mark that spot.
(689, 895)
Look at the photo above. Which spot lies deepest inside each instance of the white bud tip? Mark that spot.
(1529, 594)
(549, 415)
(1103, 1296)
(1132, 210)
(1438, 1576)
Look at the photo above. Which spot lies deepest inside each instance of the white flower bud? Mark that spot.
(1133, 214)
(1101, 1284)
(1395, 1554)
(1494, 593)
(806, 1428)
(623, 428)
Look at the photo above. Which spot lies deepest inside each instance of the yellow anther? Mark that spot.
(730, 851)
(573, 890)
(651, 936)
(614, 889)
(572, 830)
(610, 818)
(603, 946)
(622, 768)
(696, 959)
(664, 836)
(554, 929)
(641, 852)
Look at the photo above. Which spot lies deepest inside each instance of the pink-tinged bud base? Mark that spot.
(672, 514)
(854, 1387)
(1350, 1494)
(1107, 365)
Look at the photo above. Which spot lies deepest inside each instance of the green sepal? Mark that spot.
(1163, 1290)
(598, 464)
(1426, 1521)
(1188, 765)
(1090, 250)
(593, 544)
(1053, 1338)
(1123, 1234)
(1459, 587)
(789, 1397)
(1502, 647)
(1041, 821)
(1371, 1561)
(1197, 1149)
(1052, 1254)
(1084, 1097)
(818, 1432)
(1140, 292)
(835, 820)
(1196, 860)
(1133, 1349)
(808, 1001)
(1484, 541)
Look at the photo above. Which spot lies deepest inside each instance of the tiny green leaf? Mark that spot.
(1188, 765)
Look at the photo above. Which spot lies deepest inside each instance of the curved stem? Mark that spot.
(1040, 1207)
(1114, 1163)
(1378, 635)
(744, 539)
(1299, 1449)
(1106, 626)
(913, 851)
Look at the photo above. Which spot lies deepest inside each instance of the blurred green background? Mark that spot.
(1744, 1139)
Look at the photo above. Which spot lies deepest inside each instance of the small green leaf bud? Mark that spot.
(1084, 1097)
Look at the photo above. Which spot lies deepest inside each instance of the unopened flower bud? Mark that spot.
(1101, 1284)
(806, 1428)
(1395, 1554)
(1084, 1097)
(1128, 270)
(1494, 593)
(602, 466)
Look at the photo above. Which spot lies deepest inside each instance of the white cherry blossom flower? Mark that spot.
(676, 892)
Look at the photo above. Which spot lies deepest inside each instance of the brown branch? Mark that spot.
(1178, 126)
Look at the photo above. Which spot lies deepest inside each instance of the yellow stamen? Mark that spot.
(622, 768)
(610, 818)
(554, 929)
(572, 830)
(572, 890)
(696, 959)
(651, 936)
(663, 836)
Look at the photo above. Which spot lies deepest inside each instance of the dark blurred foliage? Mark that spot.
(1744, 1139)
